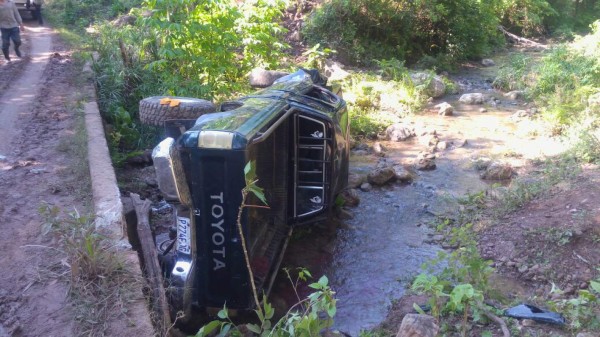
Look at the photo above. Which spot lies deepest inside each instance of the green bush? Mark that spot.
(365, 30)
(181, 49)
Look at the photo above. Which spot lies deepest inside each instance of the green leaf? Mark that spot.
(254, 328)
(486, 334)
(324, 281)
(258, 192)
(418, 309)
(268, 310)
(208, 328)
(223, 314)
(331, 309)
(596, 286)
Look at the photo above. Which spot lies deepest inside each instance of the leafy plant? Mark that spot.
(316, 56)
(309, 317)
(583, 310)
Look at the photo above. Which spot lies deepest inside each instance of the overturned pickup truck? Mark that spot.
(296, 134)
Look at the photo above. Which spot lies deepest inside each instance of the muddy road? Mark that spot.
(37, 124)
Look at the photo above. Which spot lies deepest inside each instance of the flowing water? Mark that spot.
(371, 259)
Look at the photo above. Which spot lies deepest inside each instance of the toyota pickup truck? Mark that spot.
(295, 133)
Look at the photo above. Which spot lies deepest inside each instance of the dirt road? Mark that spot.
(37, 122)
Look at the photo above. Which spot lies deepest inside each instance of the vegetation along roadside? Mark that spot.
(180, 48)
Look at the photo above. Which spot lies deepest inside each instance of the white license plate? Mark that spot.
(183, 235)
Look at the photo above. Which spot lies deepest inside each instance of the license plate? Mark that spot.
(183, 235)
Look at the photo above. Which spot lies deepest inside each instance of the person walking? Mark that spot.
(10, 23)
(38, 10)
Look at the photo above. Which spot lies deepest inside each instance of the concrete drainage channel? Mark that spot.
(108, 210)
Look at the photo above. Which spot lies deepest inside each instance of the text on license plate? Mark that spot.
(183, 235)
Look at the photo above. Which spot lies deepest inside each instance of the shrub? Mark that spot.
(365, 30)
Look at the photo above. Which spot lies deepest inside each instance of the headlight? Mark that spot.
(215, 139)
(164, 167)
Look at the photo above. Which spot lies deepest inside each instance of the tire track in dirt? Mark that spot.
(36, 128)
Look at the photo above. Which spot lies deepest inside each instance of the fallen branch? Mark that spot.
(519, 39)
(150, 263)
(495, 318)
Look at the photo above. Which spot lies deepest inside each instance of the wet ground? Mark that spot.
(372, 258)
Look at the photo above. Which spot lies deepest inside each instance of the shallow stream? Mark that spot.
(371, 259)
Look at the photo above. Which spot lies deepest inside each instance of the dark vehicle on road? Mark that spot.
(295, 133)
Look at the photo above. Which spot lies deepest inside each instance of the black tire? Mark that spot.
(154, 113)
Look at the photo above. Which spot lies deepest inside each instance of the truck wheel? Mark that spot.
(152, 112)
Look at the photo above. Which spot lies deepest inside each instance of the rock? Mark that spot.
(381, 176)
(423, 130)
(445, 109)
(2, 158)
(587, 334)
(355, 180)
(528, 322)
(483, 110)
(402, 174)
(441, 146)
(425, 164)
(514, 95)
(429, 140)
(377, 148)
(472, 98)
(334, 70)
(360, 152)
(462, 143)
(399, 132)
(435, 85)
(366, 187)
(488, 62)
(261, 78)
(523, 268)
(415, 325)
(497, 171)
(37, 170)
(520, 114)
(350, 197)
(438, 237)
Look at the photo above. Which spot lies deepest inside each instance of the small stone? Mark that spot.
(438, 237)
(366, 187)
(377, 148)
(583, 285)
(355, 180)
(497, 171)
(2, 158)
(523, 268)
(399, 132)
(37, 170)
(415, 325)
(488, 63)
(402, 174)
(483, 110)
(511, 263)
(445, 109)
(381, 176)
(441, 146)
(528, 322)
(351, 197)
(569, 289)
(472, 98)
(462, 143)
(514, 95)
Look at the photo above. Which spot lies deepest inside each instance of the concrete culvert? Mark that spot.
(156, 109)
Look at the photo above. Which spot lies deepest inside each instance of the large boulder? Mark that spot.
(435, 87)
(402, 174)
(399, 132)
(334, 71)
(472, 98)
(261, 78)
(416, 325)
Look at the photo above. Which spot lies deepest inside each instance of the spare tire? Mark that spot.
(152, 112)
